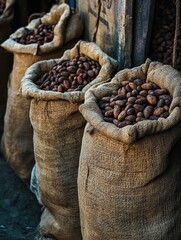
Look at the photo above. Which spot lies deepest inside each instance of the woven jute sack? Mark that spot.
(17, 140)
(129, 183)
(58, 128)
(5, 57)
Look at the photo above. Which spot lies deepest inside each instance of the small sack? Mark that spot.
(129, 183)
(17, 140)
(5, 58)
(58, 128)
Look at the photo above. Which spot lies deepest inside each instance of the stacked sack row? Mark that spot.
(29, 44)
(105, 146)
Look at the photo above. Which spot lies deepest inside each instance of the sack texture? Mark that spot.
(17, 140)
(5, 57)
(129, 178)
(58, 128)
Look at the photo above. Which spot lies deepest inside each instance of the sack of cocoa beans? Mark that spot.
(43, 38)
(129, 183)
(6, 17)
(56, 89)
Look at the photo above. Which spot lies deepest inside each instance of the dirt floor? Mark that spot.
(19, 210)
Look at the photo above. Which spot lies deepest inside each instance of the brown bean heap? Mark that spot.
(2, 6)
(40, 35)
(69, 75)
(163, 34)
(135, 101)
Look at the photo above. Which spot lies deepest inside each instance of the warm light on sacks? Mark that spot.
(58, 128)
(129, 178)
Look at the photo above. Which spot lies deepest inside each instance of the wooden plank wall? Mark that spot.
(143, 19)
(109, 24)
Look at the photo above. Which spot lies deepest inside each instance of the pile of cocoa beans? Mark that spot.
(40, 35)
(163, 34)
(70, 75)
(134, 101)
(2, 6)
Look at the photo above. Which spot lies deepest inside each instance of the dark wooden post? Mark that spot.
(143, 18)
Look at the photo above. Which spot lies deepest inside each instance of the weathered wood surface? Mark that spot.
(143, 19)
(109, 24)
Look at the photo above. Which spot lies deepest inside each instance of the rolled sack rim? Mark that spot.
(30, 90)
(131, 133)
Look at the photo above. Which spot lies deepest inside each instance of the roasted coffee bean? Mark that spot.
(153, 117)
(164, 115)
(147, 112)
(134, 92)
(152, 100)
(146, 86)
(158, 111)
(138, 107)
(122, 91)
(124, 83)
(40, 35)
(130, 118)
(138, 82)
(122, 115)
(130, 111)
(116, 122)
(68, 76)
(116, 111)
(160, 92)
(139, 114)
(139, 119)
(106, 99)
(109, 113)
(132, 100)
(149, 103)
(143, 93)
(124, 123)
(108, 119)
(122, 103)
(160, 103)
(132, 85)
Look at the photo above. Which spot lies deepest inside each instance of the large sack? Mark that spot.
(17, 140)
(58, 128)
(5, 58)
(129, 182)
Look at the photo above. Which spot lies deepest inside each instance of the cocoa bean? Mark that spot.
(146, 86)
(158, 111)
(147, 112)
(122, 115)
(152, 100)
(116, 111)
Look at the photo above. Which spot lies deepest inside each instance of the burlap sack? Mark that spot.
(129, 182)
(5, 57)
(58, 128)
(17, 141)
